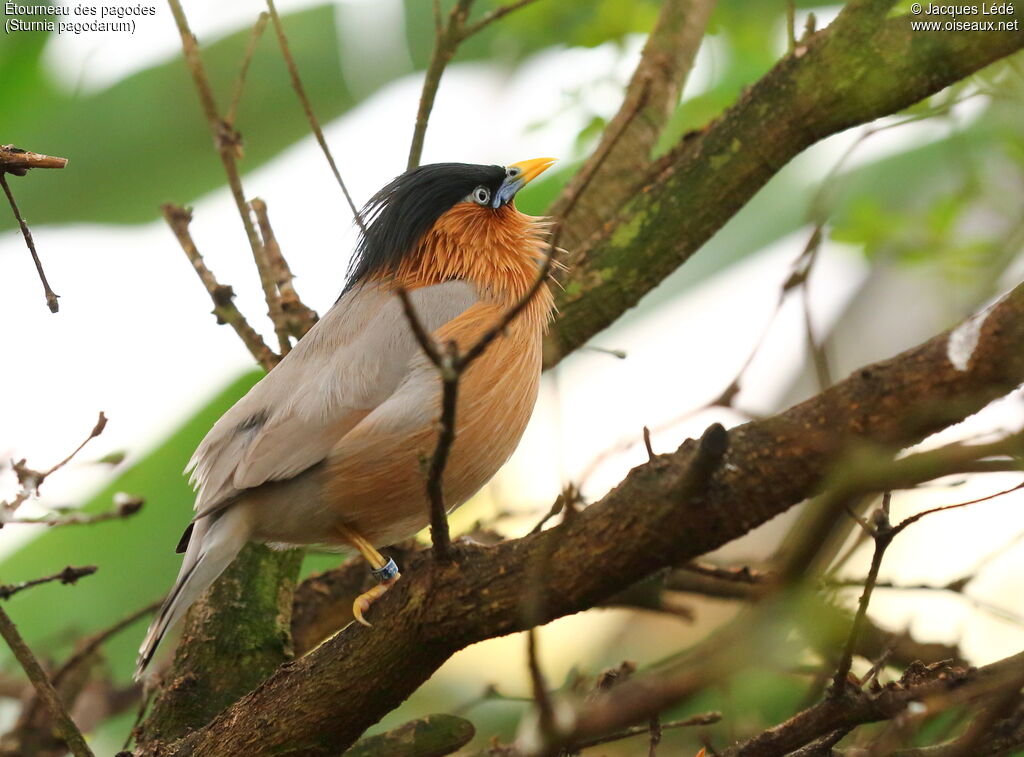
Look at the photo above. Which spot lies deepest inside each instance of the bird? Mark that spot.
(327, 448)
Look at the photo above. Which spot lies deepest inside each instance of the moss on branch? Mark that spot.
(235, 636)
(320, 704)
(325, 700)
(848, 74)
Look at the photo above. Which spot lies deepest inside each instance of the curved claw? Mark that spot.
(363, 601)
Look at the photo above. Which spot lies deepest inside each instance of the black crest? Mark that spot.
(398, 215)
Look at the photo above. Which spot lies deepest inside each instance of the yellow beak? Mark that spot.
(531, 169)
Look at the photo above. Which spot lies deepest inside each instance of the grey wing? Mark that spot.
(350, 362)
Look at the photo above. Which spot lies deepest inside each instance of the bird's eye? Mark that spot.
(481, 195)
(513, 172)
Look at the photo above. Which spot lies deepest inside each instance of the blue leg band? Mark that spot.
(386, 573)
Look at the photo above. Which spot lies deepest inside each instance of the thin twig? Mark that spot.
(564, 501)
(883, 532)
(743, 574)
(446, 42)
(438, 23)
(798, 278)
(655, 728)
(62, 720)
(495, 15)
(228, 143)
(179, 218)
(140, 713)
(956, 587)
(447, 38)
(254, 38)
(30, 480)
(452, 364)
(51, 296)
(293, 71)
(801, 278)
(69, 575)
(707, 718)
(14, 160)
(914, 518)
(88, 647)
(97, 429)
(440, 536)
(539, 686)
(125, 508)
(100, 638)
(790, 26)
(298, 317)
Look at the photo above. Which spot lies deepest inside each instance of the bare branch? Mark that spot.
(30, 480)
(938, 687)
(447, 38)
(293, 71)
(451, 364)
(446, 41)
(51, 297)
(350, 680)
(228, 143)
(179, 218)
(125, 506)
(754, 586)
(298, 317)
(69, 575)
(495, 15)
(797, 103)
(883, 533)
(64, 724)
(18, 162)
(254, 38)
(101, 423)
(650, 98)
(94, 642)
(916, 517)
(707, 718)
(85, 652)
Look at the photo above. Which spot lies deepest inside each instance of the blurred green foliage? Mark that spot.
(142, 141)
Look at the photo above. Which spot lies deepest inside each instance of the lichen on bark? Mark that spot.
(234, 636)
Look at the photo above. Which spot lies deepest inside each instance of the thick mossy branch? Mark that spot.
(235, 635)
(320, 704)
(606, 181)
(323, 701)
(847, 74)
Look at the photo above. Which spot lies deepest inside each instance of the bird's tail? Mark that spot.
(214, 543)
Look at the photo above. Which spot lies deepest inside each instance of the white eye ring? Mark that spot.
(481, 195)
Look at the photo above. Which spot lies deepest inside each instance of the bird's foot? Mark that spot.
(388, 575)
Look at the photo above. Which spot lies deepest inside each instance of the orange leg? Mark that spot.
(383, 568)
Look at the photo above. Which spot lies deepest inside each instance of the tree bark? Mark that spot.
(234, 636)
(850, 73)
(858, 69)
(322, 702)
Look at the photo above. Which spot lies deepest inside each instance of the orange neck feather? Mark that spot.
(497, 250)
